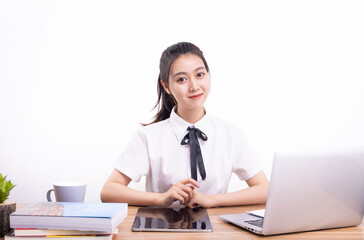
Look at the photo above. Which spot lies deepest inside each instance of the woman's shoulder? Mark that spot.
(226, 125)
(154, 127)
(226, 129)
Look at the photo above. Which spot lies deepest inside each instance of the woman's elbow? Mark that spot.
(264, 192)
(105, 195)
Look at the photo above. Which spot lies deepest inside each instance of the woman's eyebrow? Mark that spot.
(199, 68)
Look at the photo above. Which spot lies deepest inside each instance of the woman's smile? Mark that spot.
(197, 96)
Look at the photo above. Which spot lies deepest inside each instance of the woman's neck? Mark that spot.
(191, 116)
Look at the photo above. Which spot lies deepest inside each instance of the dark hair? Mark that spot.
(166, 102)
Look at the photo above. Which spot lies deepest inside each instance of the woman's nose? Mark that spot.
(194, 86)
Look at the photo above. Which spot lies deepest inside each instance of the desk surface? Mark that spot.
(224, 230)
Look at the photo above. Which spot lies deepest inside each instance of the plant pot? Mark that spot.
(5, 209)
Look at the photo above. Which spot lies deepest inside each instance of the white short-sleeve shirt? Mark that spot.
(156, 152)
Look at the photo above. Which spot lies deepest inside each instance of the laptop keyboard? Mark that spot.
(258, 223)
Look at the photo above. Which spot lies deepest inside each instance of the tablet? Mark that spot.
(156, 219)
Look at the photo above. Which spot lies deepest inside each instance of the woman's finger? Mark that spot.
(183, 194)
(190, 181)
(188, 189)
(177, 196)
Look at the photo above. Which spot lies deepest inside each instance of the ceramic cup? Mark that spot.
(68, 192)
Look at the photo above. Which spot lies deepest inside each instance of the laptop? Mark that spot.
(310, 190)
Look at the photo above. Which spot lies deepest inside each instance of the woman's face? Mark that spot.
(189, 83)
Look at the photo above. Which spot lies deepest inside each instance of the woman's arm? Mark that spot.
(255, 194)
(116, 190)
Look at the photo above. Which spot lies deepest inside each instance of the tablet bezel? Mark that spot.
(136, 227)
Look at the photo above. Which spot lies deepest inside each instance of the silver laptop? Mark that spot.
(310, 190)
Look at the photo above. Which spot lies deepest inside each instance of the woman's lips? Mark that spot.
(196, 96)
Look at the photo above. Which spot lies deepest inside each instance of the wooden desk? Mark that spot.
(224, 230)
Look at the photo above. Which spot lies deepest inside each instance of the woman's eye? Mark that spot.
(182, 79)
(201, 74)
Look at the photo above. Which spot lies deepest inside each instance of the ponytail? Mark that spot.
(165, 103)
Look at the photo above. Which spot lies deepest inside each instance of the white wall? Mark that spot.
(76, 78)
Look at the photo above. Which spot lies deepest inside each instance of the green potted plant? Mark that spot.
(6, 207)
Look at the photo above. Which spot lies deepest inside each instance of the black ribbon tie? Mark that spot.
(195, 151)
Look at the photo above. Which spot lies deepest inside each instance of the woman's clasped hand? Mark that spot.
(187, 193)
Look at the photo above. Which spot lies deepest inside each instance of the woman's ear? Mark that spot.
(165, 87)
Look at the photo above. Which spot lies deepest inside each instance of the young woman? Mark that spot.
(186, 154)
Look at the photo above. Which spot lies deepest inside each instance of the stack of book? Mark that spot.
(70, 220)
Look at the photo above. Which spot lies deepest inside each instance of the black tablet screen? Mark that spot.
(172, 219)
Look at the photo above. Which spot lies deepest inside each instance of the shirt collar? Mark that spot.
(180, 126)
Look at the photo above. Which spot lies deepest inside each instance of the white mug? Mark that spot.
(68, 192)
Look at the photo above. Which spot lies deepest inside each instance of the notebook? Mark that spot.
(310, 190)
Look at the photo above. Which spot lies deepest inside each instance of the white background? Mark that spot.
(77, 78)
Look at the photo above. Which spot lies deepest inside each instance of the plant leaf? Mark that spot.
(5, 188)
